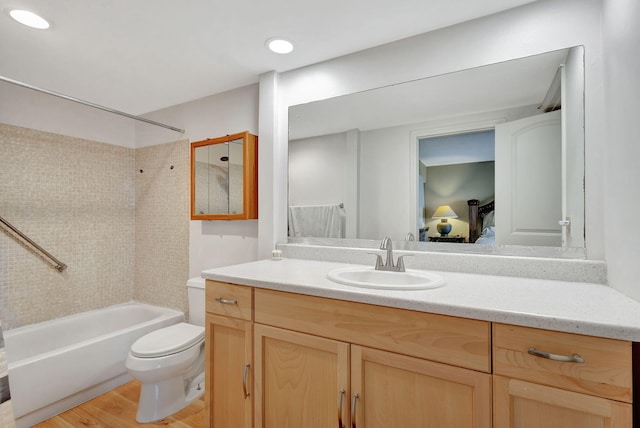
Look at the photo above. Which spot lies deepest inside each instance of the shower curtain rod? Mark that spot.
(90, 104)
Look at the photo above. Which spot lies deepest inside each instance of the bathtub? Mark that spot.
(58, 364)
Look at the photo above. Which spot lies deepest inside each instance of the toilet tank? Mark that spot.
(196, 296)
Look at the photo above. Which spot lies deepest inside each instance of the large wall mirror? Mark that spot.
(224, 178)
(500, 148)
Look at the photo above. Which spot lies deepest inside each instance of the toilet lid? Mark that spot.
(168, 340)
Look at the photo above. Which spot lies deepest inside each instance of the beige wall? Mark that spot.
(75, 198)
(162, 224)
(123, 234)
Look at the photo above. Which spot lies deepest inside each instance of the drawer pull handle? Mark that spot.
(244, 381)
(353, 413)
(226, 301)
(340, 398)
(575, 358)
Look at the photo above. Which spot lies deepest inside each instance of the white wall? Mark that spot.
(531, 29)
(573, 126)
(318, 170)
(214, 243)
(383, 196)
(458, 148)
(621, 36)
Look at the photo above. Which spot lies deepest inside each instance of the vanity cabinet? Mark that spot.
(302, 380)
(553, 379)
(279, 359)
(325, 362)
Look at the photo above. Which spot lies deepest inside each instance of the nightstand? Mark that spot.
(458, 239)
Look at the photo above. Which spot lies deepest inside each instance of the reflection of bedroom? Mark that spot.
(453, 170)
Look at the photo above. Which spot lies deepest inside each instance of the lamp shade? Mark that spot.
(444, 211)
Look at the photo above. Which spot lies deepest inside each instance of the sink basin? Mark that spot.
(368, 277)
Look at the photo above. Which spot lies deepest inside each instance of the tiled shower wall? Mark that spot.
(162, 224)
(77, 199)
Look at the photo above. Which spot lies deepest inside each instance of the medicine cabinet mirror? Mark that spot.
(224, 178)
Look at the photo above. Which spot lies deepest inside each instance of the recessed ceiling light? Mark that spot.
(29, 19)
(280, 46)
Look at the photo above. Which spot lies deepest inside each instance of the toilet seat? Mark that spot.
(168, 340)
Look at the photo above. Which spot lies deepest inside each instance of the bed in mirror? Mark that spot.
(379, 163)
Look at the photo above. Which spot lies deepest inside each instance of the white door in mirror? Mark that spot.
(368, 277)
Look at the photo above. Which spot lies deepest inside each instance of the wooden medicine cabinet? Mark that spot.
(224, 178)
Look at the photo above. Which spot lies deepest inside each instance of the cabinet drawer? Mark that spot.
(229, 300)
(605, 372)
(451, 340)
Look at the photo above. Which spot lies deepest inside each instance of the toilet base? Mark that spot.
(161, 399)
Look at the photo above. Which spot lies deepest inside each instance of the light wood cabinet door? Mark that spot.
(392, 390)
(300, 380)
(228, 380)
(520, 404)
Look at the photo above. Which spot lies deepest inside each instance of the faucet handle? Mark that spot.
(400, 263)
(386, 244)
(379, 261)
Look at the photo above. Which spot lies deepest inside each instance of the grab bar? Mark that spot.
(58, 264)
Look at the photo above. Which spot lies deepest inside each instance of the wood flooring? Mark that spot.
(117, 409)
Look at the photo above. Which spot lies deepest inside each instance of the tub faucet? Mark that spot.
(387, 245)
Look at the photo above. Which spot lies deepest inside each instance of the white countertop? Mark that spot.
(575, 307)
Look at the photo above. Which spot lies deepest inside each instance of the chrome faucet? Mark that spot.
(387, 245)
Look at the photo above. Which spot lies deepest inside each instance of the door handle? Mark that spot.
(353, 413)
(226, 301)
(244, 380)
(575, 358)
(340, 399)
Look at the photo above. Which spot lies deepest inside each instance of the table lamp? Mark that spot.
(444, 212)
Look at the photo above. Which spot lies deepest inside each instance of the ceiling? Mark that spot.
(143, 55)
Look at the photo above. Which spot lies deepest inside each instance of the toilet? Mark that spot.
(169, 362)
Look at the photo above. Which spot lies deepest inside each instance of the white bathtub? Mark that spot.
(58, 364)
